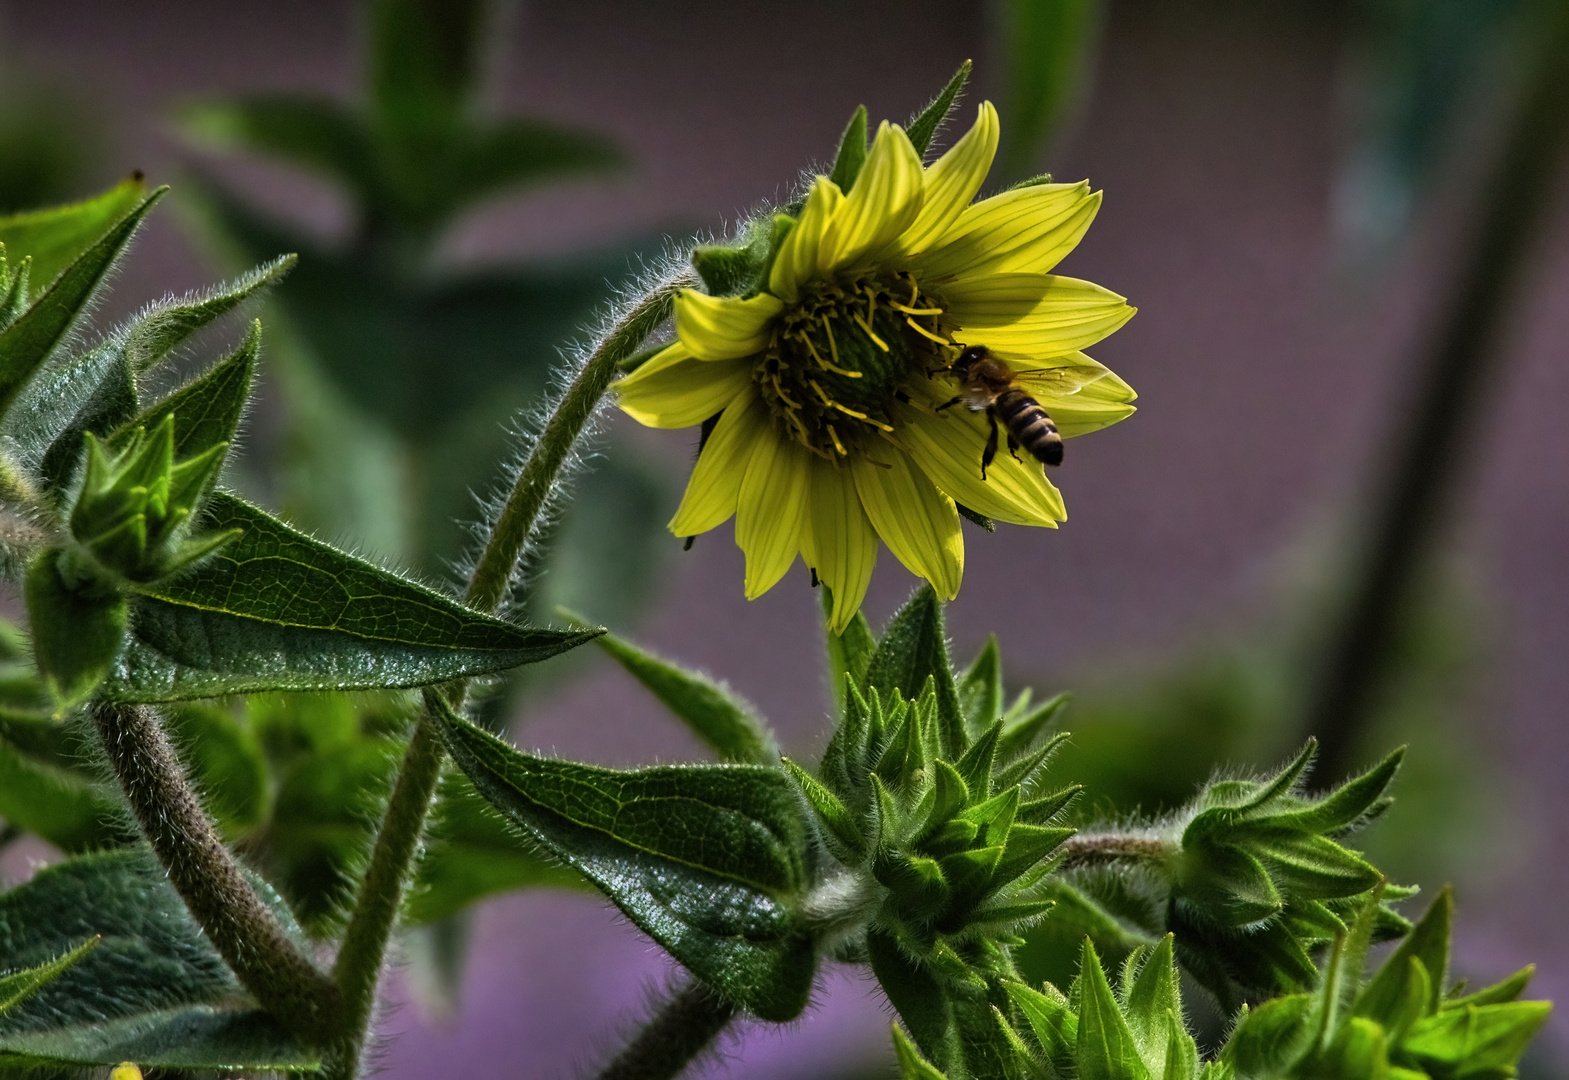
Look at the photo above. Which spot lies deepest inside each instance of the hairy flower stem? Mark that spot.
(1411, 501)
(1100, 849)
(684, 1027)
(386, 879)
(509, 534)
(240, 926)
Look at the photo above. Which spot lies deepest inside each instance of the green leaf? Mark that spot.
(923, 127)
(1427, 942)
(1048, 48)
(852, 151)
(728, 723)
(225, 760)
(472, 852)
(1106, 1049)
(276, 610)
(56, 237)
(914, 648)
(914, 991)
(322, 136)
(1476, 1040)
(77, 634)
(153, 990)
(514, 152)
(27, 343)
(207, 409)
(167, 325)
(43, 791)
(980, 689)
(16, 987)
(708, 860)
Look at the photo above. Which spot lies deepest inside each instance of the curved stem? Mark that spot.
(1410, 503)
(240, 926)
(684, 1027)
(360, 959)
(510, 533)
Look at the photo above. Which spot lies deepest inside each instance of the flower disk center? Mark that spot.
(844, 355)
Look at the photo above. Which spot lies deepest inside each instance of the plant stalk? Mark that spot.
(1100, 849)
(1411, 502)
(684, 1027)
(240, 926)
(510, 533)
(360, 959)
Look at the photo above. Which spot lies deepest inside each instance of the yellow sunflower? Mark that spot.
(832, 380)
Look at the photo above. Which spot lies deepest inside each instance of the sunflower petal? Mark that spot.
(917, 522)
(948, 450)
(1082, 394)
(838, 541)
(1025, 230)
(771, 510)
(715, 487)
(882, 204)
(673, 390)
(1071, 315)
(797, 258)
(724, 327)
(952, 181)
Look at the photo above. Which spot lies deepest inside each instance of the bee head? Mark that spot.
(968, 359)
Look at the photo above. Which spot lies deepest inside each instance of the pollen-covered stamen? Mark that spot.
(843, 356)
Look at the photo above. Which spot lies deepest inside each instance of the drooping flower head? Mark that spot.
(831, 375)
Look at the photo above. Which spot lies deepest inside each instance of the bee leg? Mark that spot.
(1013, 447)
(991, 443)
(950, 402)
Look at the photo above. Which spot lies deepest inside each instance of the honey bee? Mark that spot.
(989, 384)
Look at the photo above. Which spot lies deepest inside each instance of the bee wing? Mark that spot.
(1063, 381)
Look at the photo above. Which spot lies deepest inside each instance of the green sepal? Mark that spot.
(27, 343)
(1106, 1048)
(852, 151)
(950, 794)
(1022, 769)
(916, 881)
(913, 649)
(912, 1066)
(18, 986)
(112, 402)
(1476, 1040)
(1053, 1022)
(77, 631)
(1266, 1039)
(976, 764)
(1502, 991)
(167, 325)
(1023, 726)
(923, 127)
(710, 861)
(843, 764)
(1153, 1007)
(844, 832)
(849, 652)
(726, 270)
(1027, 845)
(1226, 884)
(969, 875)
(980, 689)
(56, 237)
(1428, 943)
(1348, 804)
(995, 816)
(730, 725)
(1040, 811)
(277, 610)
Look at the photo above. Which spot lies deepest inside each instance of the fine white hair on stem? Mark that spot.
(662, 274)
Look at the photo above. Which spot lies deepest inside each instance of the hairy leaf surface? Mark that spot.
(708, 860)
(277, 610)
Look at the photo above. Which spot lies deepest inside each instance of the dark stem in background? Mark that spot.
(683, 1028)
(1412, 498)
(240, 926)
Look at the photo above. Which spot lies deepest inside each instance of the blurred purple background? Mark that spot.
(1266, 381)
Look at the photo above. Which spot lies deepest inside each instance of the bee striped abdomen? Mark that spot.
(1029, 425)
